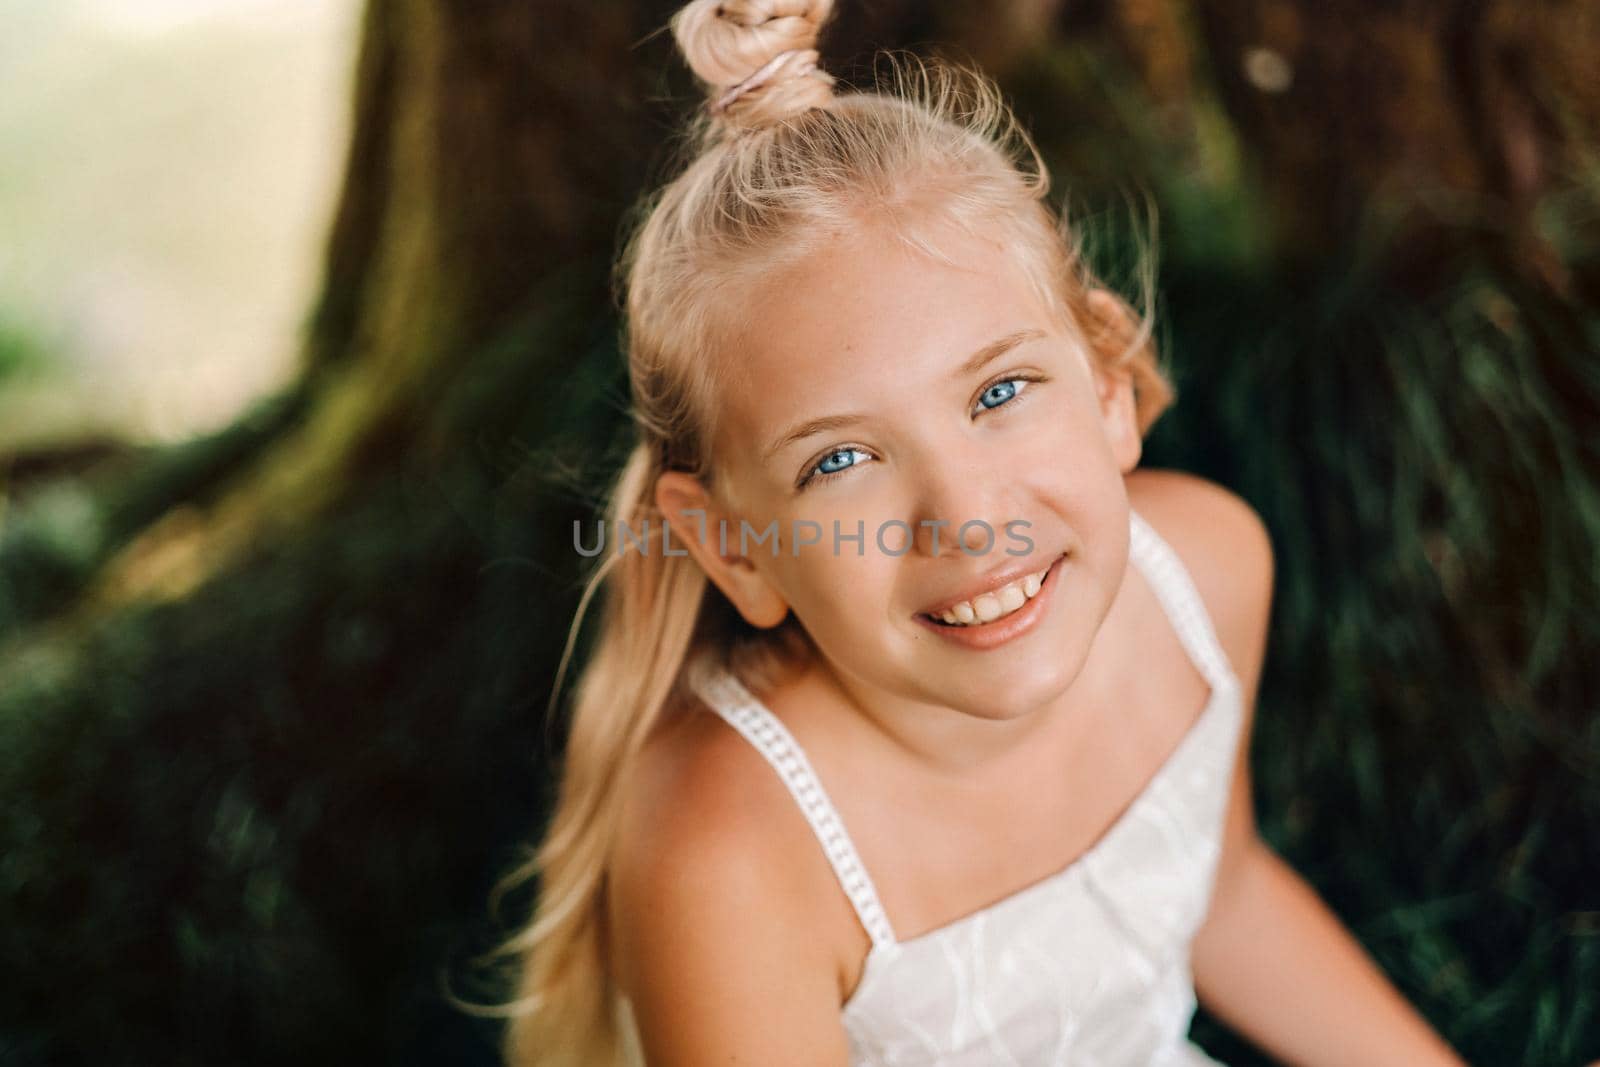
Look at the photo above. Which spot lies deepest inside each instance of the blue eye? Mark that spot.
(826, 468)
(996, 394)
(999, 392)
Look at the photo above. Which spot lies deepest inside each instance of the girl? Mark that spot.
(888, 749)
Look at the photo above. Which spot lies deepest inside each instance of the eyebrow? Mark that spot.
(973, 364)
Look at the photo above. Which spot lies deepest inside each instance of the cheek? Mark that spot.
(842, 586)
(863, 502)
(1081, 423)
(1066, 455)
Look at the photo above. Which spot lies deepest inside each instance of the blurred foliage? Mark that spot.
(257, 822)
(259, 825)
(20, 352)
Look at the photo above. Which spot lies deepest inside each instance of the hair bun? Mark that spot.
(758, 55)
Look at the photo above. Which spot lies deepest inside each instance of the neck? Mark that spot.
(885, 730)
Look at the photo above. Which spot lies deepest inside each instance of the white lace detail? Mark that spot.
(1087, 966)
(729, 697)
(1182, 602)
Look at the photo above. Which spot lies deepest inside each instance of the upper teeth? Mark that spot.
(996, 604)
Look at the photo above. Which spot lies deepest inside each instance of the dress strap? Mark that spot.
(728, 697)
(1180, 599)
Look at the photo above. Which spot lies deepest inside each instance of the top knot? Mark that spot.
(757, 54)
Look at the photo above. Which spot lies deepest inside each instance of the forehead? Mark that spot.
(865, 314)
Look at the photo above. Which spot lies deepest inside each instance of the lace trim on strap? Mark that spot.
(729, 698)
(1178, 595)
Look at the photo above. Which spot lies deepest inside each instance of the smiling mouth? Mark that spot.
(995, 605)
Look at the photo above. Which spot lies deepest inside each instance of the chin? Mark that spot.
(1010, 698)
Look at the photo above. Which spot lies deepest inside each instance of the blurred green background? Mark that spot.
(308, 362)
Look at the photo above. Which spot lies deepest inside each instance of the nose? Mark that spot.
(963, 506)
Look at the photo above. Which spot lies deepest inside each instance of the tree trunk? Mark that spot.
(1442, 112)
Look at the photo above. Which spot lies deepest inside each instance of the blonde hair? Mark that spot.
(786, 165)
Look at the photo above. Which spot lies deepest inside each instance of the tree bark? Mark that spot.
(1446, 112)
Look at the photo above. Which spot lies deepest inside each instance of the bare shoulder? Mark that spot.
(1226, 549)
(712, 907)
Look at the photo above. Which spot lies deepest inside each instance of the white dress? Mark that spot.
(1089, 966)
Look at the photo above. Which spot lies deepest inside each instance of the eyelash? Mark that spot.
(814, 477)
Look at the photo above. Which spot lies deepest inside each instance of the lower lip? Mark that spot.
(993, 634)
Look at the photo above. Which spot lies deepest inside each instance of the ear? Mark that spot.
(696, 526)
(1114, 386)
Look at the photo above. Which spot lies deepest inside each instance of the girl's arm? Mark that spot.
(1274, 963)
(1272, 960)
